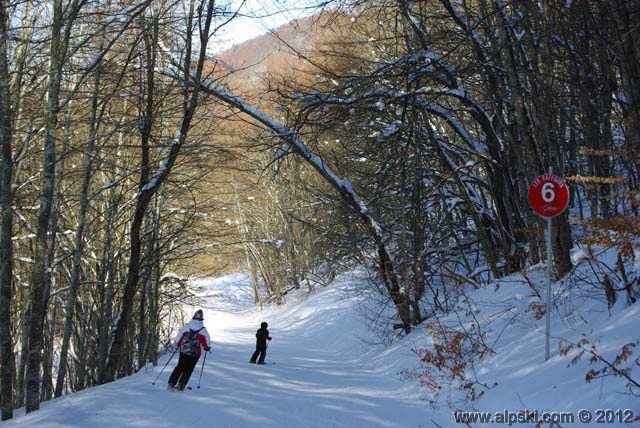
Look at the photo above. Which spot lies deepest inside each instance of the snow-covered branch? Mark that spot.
(294, 144)
(342, 185)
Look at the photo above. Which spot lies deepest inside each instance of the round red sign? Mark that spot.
(548, 195)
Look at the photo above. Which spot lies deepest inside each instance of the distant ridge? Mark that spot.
(272, 52)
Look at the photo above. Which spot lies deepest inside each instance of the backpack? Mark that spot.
(191, 343)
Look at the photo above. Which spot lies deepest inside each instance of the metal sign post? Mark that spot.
(548, 196)
(548, 305)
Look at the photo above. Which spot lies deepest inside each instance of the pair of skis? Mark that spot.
(173, 388)
(165, 366)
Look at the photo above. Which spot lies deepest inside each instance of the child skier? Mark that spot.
(262, 335)
(191, 338)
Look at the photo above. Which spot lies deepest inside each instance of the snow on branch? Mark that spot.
(167, 162)
(294, 144)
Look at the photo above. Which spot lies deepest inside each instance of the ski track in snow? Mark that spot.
(330, 371)
(318, 375)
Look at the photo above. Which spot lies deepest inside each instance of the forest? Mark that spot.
(403, 136)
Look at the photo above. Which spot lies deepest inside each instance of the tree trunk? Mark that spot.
(625, 16)
(78, 247)
(106, 292)
(150, 186)
(6, 222)
(41, 269)
(154, 296)
(47, 358)
(142, 202)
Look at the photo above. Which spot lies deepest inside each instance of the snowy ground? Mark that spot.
(328, 369)
(322, 376)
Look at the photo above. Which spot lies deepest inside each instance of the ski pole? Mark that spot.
(165, 366)
(202, 368)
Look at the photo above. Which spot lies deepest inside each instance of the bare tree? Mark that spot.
(199, 19)
(61, 27)
(6, 220)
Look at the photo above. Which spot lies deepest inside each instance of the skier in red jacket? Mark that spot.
(192, 338)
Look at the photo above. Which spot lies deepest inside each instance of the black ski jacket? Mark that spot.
(262, 335)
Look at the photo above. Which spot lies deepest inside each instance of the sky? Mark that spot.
(258, 17)
(329, 366)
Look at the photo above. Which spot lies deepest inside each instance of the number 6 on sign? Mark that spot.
(548, 195)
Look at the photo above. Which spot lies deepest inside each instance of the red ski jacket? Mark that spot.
(203, 335)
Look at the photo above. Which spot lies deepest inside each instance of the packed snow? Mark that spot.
(329, 364)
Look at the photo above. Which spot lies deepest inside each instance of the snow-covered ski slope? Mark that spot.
(323, 375)
(331, 371)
